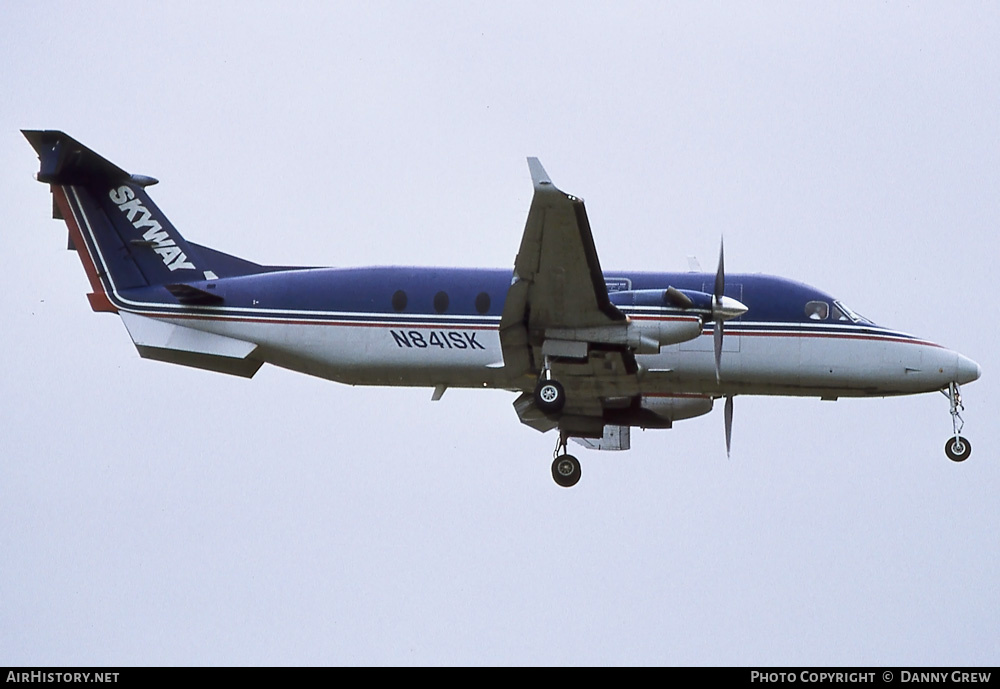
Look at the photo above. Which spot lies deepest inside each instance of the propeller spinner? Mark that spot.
(723, 309)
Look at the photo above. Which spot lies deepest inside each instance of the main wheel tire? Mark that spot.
(550, 396)
(566, 470)
(958, 449)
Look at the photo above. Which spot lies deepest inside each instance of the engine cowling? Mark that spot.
(642, 334)
(651, 333)
(660, 411)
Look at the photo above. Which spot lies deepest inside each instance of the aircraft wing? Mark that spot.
(558, 300)
(558, 261)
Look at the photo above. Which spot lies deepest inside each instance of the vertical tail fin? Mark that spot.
(123, 239)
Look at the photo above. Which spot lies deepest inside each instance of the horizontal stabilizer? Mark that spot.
(177, 344)
(186, 294)
(64, 160)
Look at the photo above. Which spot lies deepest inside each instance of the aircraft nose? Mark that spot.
(967, 370)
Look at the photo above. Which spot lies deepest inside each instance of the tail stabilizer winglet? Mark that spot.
(539, 177)
(64, 160)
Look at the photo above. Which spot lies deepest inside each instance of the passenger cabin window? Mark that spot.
(441, 302)
(482, 302)
(399, 300)
(817, 310)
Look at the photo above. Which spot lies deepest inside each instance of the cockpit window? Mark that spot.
(817, 310)
(841, 312)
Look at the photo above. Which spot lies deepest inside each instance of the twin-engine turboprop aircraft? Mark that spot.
(592, 354)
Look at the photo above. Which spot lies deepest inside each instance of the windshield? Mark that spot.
(841, 312)
(818, 310)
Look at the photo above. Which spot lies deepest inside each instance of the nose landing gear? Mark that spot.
(957, 448)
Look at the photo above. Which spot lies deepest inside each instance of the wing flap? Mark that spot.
(616, 438)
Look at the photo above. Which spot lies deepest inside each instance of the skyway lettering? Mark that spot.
(455, 339)
(140, 217)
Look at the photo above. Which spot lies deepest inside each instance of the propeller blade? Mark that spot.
(677, 298)
(729, 423)
(720, 287)
(718, 350)
(720, 274)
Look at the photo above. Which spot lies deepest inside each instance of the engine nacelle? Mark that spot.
(642, 334)
(661, 411)
(685, 301)
(654, 333)
(664, 298)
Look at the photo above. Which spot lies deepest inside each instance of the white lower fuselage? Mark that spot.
(761, 359)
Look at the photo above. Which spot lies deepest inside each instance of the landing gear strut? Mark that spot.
(957, 448)
(565, 468)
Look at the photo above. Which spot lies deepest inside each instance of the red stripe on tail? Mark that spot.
(99, 300)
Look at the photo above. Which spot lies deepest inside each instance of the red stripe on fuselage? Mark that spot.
(289, 321)
(847, 336)
(278, 320)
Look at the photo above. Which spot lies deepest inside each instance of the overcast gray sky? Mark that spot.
(152, 514)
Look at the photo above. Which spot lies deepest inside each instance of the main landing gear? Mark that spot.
(957, 448)
(565, 467)
(550, 397)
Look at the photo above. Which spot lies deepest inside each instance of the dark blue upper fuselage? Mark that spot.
(459, 292)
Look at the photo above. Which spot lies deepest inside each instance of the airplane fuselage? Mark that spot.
(440, 327)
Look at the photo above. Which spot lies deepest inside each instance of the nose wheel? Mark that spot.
(957, 448)
(565, 467)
